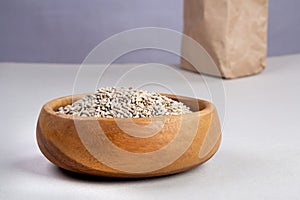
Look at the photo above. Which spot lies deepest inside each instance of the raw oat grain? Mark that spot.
(111, 102)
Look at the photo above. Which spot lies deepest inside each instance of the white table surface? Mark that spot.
(259, 157)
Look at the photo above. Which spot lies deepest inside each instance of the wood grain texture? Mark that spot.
(112, 147)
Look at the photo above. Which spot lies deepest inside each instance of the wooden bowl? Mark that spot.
(131, 148)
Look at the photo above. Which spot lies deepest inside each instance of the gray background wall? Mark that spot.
(66, 30)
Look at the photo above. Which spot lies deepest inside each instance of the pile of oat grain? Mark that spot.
(114, 102)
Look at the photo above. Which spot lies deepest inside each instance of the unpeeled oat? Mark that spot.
(111, 102)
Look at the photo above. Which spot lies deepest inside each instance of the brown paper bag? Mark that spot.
(233, 32)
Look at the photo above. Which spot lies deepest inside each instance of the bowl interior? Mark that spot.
(196, 105)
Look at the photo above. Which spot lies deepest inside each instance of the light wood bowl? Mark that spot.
(129, 148)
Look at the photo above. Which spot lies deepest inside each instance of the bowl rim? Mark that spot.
(50, 105)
